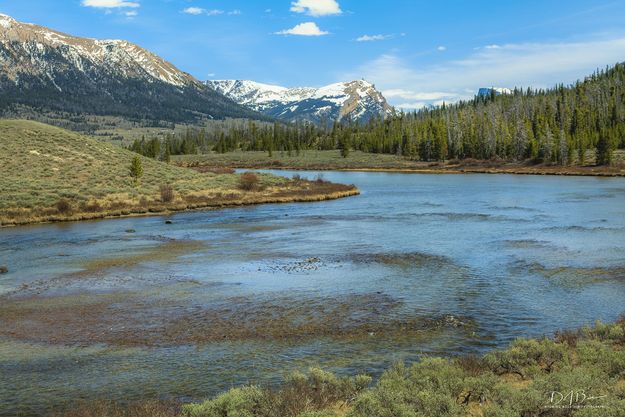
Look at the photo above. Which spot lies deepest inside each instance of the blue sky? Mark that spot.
(416, 52)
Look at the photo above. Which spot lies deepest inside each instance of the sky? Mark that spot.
(416, 52)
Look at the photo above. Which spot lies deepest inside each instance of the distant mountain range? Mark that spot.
(355, 100)
(43, 70)
(46, 70)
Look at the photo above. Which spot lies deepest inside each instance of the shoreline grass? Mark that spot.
(367, 162)
(316, 193)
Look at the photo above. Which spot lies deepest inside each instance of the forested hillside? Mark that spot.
(555, 126)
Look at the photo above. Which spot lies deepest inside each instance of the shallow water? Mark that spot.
(417, 264)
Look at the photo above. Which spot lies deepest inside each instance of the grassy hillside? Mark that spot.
(48, 174)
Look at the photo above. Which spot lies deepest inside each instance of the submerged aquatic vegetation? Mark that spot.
(409, 259)
(134, 319)
(573, 275)
(92, 271)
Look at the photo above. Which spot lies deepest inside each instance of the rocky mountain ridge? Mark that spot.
(354, 100)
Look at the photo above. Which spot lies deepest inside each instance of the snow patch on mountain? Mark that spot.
(6, 21)
(355, 100)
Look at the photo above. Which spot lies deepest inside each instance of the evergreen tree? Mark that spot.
(605, 148)
(136, 169)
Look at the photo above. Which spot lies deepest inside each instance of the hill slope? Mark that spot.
(47, 173)
(46, 70)
(355, 100)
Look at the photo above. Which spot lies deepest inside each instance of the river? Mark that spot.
(140, 308)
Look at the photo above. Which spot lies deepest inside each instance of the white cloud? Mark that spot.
(132, 13)
(413, 100)
(413, 105)
(110, 4)
(537, 65)
(316, 7)
(235, 12)
(409, 95)
(304, 29)
(441, 48)
(193, 10)
(373, 38)
(196, 11)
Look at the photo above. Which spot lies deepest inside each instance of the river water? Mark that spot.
(416, 265)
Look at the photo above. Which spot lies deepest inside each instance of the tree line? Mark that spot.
(556, 126)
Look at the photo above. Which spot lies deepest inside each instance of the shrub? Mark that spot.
(427, 388)
(472, 365)
(569, 337)
(248, 181)
(92, 207)
(64, 206)
(167, 193)
(302, 395)
(528, 358)
(236, 402)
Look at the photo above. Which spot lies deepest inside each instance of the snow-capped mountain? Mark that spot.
(483, 92)
(355, 100)
(41, 67)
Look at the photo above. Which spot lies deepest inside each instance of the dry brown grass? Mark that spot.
(360, 161)
(167, 193)
(302, 192)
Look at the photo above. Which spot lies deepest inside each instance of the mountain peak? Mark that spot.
(355, 100)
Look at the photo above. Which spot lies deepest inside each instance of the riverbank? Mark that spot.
(49, 174)
(360, 161)
(294, 192)
(578, 372)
